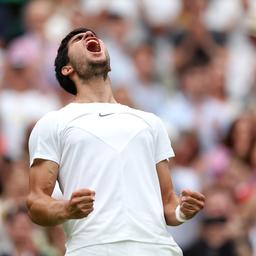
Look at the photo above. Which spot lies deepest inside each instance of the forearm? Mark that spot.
(169, 210)
(46, 211)
(170, 218)
(190, 203)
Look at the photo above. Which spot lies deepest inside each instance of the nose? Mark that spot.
(89, 34)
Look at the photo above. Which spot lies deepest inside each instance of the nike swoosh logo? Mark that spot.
(108, 114)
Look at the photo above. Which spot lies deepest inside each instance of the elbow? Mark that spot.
(39, 210)
(29, 201)
(33, 209)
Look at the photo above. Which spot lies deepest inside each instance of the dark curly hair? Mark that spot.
(62, 59)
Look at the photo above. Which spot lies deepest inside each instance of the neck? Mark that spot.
(96, 89)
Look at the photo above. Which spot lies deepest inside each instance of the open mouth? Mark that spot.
(93, 45)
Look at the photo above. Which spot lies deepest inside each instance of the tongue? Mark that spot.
(93, 46)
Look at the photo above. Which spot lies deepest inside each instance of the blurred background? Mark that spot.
(191, 62)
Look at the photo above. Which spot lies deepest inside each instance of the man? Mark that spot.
(19, 233)
(110, 161)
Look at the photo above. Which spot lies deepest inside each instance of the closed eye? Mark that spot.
(78, 38)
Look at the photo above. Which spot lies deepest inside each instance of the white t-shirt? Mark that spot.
(113, 150)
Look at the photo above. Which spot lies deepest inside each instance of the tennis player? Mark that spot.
(110, 160)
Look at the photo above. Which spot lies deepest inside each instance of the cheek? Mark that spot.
(76, 52)
(77, 59)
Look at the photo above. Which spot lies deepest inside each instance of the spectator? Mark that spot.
(241, 64)
(221, 233)
(117, 33)
(20, 97)
(39, 49)
(191, 109)
(241, 137)
(145, 89)
(20, 232)
(194, 42)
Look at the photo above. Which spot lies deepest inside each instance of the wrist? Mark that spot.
(65, 213)
(180, 216)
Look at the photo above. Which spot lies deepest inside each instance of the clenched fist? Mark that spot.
(80, 204)
(191, 203)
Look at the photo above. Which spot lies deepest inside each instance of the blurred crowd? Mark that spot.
(191, 62)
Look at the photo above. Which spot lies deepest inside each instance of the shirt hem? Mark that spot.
(44, 157)
(165, 156)
(169, 241)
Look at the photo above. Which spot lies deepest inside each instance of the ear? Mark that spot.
(66, 70)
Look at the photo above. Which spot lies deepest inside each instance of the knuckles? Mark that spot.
(79, 209)
(81, 212)
(78, 200)
(191, 209)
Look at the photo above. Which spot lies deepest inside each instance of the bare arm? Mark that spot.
(190, 202)
(46, 211)
(169, 198)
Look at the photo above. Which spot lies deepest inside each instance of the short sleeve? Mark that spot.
(44, 141)
(163, 148)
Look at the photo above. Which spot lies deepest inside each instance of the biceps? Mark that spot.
(43, 176)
